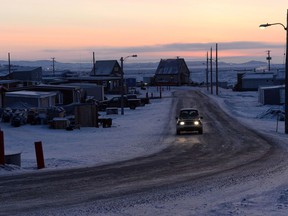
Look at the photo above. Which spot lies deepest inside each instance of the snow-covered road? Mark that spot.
(256, 188)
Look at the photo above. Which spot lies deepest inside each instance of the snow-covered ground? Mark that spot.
(137, 133)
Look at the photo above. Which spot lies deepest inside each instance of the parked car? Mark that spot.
(189, 120)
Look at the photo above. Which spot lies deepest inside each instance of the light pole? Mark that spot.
(122, 81)
(286, 68)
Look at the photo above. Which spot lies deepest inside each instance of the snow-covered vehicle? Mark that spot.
(7, 114)
(189, 120)
(19, 118)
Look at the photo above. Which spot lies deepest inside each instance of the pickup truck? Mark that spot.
(128, 101)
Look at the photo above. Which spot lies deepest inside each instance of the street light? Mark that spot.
(262, 26)
(122, 81)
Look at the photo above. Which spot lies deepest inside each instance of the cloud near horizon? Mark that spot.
(237, 45)
(239, 49)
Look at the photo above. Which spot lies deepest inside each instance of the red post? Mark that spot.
(39, 155)
(2, 152)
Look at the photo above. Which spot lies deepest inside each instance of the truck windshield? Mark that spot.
(188, 113)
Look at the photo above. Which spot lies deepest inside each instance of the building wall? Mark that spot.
(31, 75)
(254, 84)
(26, 102)
(167, 79)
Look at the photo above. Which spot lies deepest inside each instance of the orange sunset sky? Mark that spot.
(71, 30)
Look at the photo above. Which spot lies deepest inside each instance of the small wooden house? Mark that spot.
(107, 73)
(22, 76)
(172, 72)
(32, 74)
(106, 68)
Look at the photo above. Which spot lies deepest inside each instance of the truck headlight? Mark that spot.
(181, 123)
(196, 122)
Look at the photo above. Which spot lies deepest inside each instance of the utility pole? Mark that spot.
(207, 71)
(286, 67)
(53, 65)
(268, 59)
(9, 63)
(211, 77)
(216, 69)
(122, 85)
(94, 64)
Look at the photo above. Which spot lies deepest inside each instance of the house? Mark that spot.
(271, 95)
(24, 75)
(172, 72)
(106, 68)
(107, 73)
(27, 74)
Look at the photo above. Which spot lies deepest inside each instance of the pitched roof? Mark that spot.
(170, 66)
(106, 68)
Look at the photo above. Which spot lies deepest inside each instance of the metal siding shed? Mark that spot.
(29, 98)
(272, 95)
(252, 81)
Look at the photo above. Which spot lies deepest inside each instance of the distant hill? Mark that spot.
(47, 65)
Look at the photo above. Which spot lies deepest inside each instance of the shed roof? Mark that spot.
(58, 87)
(258, 76)
(272, 87)
(93, 78)
(31, 94)
(25, 69)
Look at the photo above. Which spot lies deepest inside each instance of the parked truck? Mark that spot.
(128, 101)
